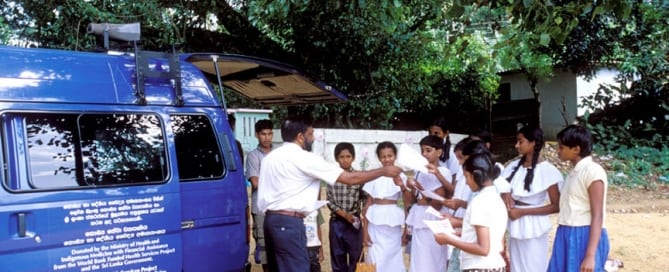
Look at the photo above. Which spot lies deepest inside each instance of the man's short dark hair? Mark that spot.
(262, 125)
(291, 127)
(575, 135)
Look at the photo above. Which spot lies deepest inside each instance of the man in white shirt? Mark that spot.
(288, 188)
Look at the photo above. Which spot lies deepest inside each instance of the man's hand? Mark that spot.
(391, 171)
(398, 181)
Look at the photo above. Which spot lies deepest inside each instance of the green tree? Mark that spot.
(5, 31)
(637, 107)
(394, 59)
(378, 53)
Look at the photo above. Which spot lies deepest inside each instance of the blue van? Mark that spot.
(125, 161)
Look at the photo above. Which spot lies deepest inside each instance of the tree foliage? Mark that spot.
(398, 61)
(636, 108)
(385, 55)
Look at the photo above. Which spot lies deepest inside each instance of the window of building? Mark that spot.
(504, 91)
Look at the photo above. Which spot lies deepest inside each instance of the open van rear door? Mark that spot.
(267, 82)
(210, 205)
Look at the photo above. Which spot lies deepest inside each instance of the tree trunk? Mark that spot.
(533, 81)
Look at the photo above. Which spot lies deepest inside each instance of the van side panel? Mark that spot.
(102, 233)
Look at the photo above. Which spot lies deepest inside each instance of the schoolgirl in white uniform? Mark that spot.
(426, 254)
(384, 217)
(485, 220)
(534, 195)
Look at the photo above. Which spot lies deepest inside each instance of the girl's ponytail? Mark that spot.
(482, 168)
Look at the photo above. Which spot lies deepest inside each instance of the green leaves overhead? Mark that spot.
(393, 58)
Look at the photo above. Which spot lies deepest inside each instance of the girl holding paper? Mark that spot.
(485, 219)
(426, 254)
(383, 231)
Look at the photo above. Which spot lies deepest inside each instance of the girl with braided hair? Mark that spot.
(534, 195)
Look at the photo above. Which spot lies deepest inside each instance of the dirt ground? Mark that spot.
(637, 222)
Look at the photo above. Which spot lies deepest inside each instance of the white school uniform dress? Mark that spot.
(385, 226)
(528, 235)
(426, 253)
(462, 192)
(487, 210)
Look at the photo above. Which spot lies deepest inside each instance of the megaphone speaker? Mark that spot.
(123, 32)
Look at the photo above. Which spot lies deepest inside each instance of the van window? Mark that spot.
(198, 152)
(122, 148)
(67, 150)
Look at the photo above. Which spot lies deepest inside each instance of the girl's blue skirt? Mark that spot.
(569, 249)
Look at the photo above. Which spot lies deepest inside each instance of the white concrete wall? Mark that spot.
(586, 88)
(552, 92)
(364, 141)
(563, 86)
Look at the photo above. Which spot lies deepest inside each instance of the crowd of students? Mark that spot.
(500, 214)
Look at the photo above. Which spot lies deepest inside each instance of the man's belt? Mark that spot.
(285, 212)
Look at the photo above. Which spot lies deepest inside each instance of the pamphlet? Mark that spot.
(409, 158)
(432, 195)
(434, 212)
(319, 204)
(441, 226)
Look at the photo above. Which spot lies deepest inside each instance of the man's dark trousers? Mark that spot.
(286, 243)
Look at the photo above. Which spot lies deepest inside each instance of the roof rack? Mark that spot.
(131, 33)
(142, 71)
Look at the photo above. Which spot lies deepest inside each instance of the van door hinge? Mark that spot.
(187, 224)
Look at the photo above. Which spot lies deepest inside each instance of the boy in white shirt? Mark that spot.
(312, 224)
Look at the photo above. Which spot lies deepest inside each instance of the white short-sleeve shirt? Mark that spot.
(545, 176)
(290, 179)
(575, 199)
(486, 209)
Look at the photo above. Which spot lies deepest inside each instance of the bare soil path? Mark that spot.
(637, 222)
